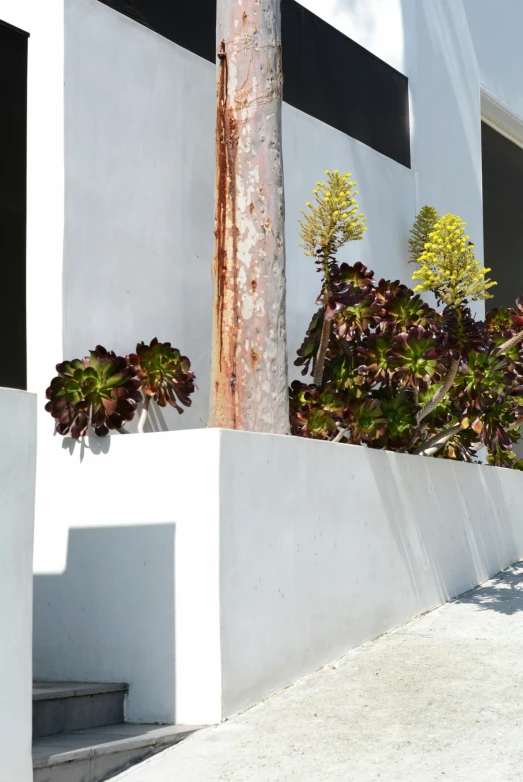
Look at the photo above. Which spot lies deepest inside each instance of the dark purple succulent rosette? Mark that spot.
(102, 390)
(165, 375)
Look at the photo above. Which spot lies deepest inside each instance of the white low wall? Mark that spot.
(17, 490)
(210, 568)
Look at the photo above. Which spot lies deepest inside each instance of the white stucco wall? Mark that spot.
(17, 492)
(241, 562)
(122, 598)
(495, 28)
(139, 146)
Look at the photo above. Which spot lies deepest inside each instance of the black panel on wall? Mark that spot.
(326, 74)
(13, 173)
(502, 215)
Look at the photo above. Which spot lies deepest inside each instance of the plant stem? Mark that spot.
(437, 441)
(339, 437)
(441, 393)
(319, 365)
(510, 343)
(145, 412)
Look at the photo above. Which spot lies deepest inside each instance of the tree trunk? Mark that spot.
(249, 385)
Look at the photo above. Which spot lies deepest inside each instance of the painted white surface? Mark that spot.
(138, 247)
(495, 28)
(123, 598)
(284, 554)
(325, 546)
(17, 492)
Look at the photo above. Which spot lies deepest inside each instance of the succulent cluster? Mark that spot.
(399, 375)
(103, 390)
(164, 373)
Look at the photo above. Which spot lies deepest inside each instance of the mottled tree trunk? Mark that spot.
(249, 386)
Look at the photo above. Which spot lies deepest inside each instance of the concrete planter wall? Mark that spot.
(17, 491)
(210, 568)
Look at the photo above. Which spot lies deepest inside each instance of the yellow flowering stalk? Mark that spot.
(329, 223)
(333, 219)
(419, 235)
(448, 266)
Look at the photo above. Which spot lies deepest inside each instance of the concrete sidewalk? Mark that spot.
(438, 699)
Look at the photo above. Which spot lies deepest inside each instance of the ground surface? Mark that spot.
(438, 699)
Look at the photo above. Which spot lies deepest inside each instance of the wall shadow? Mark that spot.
(110, 616)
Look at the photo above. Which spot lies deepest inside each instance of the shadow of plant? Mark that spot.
(503, 593)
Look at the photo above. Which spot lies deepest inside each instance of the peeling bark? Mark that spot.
(249, 385)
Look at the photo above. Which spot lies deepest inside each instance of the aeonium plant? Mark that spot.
(165, 376)
(398, 374)
(103, 390)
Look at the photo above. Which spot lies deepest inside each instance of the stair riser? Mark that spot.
(63, 715)
(90, 769)
(96, 769)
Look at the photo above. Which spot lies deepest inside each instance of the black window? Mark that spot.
(13, 172)
(503, 215)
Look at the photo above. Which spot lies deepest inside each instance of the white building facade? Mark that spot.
(422, 100)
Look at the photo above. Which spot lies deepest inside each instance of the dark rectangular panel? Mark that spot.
(502, 215)
(334, 79)
(13, 174)
(189, 23)
(326, 74)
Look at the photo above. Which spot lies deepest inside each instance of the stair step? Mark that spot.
(64, 707)
(94, 755)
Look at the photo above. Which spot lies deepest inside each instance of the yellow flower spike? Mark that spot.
(324, 228)
(447, 265)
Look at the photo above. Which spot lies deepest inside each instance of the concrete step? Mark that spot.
(96, 754)
(63, 707)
